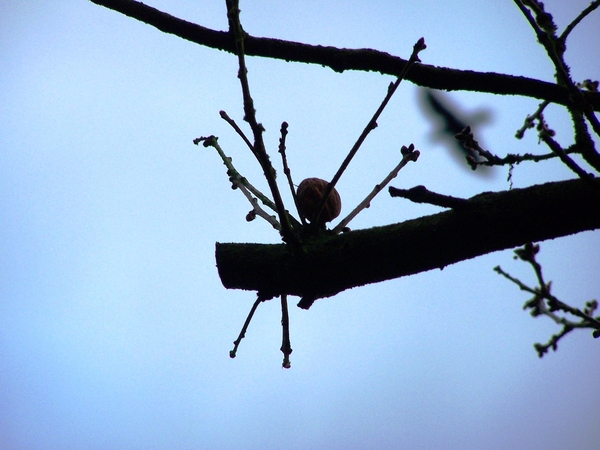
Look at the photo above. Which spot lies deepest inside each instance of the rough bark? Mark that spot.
(487, 222)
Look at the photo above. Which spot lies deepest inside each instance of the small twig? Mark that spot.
(420, 194)
(286, 169)
(408, 154)
(555, 303)
(257, 210)
(468, 141)
(544, 303)
(591, 117)
(577, 106)
(592, 6)
(211, 141)
(237, 129)
(286, 346)
(583, 139)
(513, 158)
(542, 349)
(529, 120)
(371, 125)
(584, 143)
(238, 181)
(242, 334)
(558, 150)
(235, 28)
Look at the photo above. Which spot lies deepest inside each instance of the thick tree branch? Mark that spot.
(350, 59)
(485, 223)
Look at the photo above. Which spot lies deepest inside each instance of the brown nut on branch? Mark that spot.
(309, 195)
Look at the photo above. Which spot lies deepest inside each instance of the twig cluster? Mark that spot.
(545, 134)
(578, 107)
(292, 231)
(580, 99)
(544, 303)
(581, 111)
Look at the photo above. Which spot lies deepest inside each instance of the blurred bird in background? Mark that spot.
(448, 120)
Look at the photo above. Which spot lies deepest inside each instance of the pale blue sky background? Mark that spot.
(114, 326)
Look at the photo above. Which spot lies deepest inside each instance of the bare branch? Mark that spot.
(592, 6)
(529, 120)
(488, 222)
(286, 346)
(545, 134)
(578, 107)
(433, 77)
(242, 335)
(420, 194)
(544, 303)
(237, 129)
(409, 154)
(235, 27)
(286, 169)
(568, 161)
(240, 182)
(414, 57)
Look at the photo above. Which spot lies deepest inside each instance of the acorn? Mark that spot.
(309, 195)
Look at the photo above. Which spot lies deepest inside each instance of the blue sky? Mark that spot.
(114, 326)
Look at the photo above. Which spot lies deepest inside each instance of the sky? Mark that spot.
(115, 330)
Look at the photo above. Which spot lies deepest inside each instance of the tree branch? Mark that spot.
(591, 7)
(350, 59)
(420, 194)
(488, 222)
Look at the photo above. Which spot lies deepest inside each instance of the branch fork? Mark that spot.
(544, 303)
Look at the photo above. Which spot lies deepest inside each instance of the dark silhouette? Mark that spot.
(450, 120)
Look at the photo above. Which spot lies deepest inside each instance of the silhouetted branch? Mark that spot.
(241, 183)
(242, 334)
(592, 6)
(350, 59)
(468, 140)
(237, 129)
(529, 120)
(568, 161)
(286, 169)
(408, 154)
(545, 29)
(235, 28)
(286, 346)
(544, 303)
(371, 125)
(488, 222)
(420, 194)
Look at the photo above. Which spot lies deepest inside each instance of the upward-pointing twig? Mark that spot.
(235, 28)
(592, 6)
(414, 57)
(408, 154)
(286, 169)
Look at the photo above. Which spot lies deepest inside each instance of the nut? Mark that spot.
(309, 195)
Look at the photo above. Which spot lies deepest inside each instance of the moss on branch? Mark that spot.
(488, 222)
